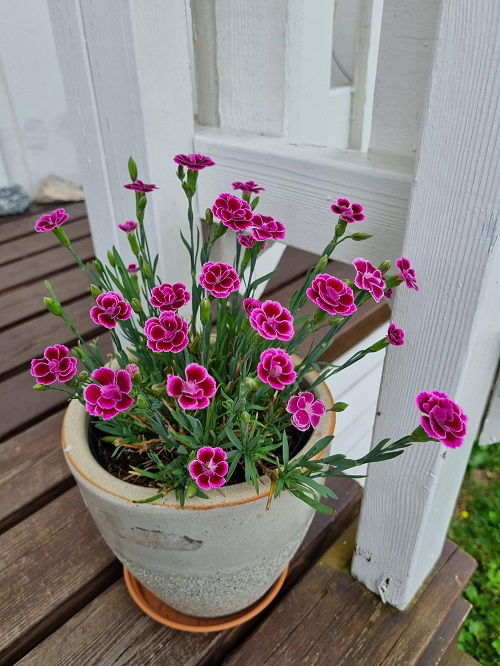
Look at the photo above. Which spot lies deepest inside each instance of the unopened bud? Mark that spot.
(134, 246)
(132, 168)
(53, 306)
(159, 389)
(339, 406)
(322, 264)
(136, 306)
(209, 216)
(111, 259)
(41, 387)
(205, 311)
(82, 376)
(180, 172)
(95, 291)
(348, 282)
(142, 401)
(192, 489)
(245, 417)
(360, 236)
(146, 270)
(251, 383)
(384, 266)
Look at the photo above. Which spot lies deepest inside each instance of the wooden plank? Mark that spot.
(43, 264)
(452, 333)
(34, 243)
(52, 564)
(443, 642)
(302, 181)
(29, 339)
(32, 471)
(459, 658)
(22, 225)
(330, 618)
(25, 302)
(22, 407)
(83, 639)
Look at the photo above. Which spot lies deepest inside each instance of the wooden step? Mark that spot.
(329, 618)
(54, 562)
(459, 658)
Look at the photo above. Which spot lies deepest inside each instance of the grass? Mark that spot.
(475, 528)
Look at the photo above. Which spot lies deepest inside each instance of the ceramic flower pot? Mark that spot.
(209, 559)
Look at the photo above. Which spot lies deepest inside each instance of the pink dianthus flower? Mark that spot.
(52, 220)
(407, 272)
(271, 320)
(396, 336)
(112, 396)
(128, 227)
(442, 418)
(249, 305)
(245, 241)
(55, 366)
(195, 391)
(332, 295)
(169, 297)
(166, 333)
(249, 186)
(194, 161)
(219, 279)
(265, 227)
(110, 308)
(210, 468)
(233, 212)
(306, 410)
(276, 368)
(369, 278)
(349, 212)
(140, 187)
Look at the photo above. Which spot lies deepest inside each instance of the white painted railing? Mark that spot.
(258, 77)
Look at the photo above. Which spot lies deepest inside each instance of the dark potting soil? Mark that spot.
(121, 466)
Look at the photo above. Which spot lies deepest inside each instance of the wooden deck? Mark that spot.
(62, 599)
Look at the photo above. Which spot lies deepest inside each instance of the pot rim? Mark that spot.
(85, 467)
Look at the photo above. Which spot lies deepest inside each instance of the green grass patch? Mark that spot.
(475, 528)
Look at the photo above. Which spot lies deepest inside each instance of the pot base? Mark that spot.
(168, 616)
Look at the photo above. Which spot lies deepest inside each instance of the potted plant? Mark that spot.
(200, 448)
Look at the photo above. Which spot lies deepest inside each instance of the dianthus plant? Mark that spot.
(206, 387)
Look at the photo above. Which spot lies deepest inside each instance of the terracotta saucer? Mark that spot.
(165, 614)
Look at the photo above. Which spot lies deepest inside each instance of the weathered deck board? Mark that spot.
(51, 564)
(328, 618)
(22, 225)
(26, 302)
(39, 242)
(439, 648)
(139, 640)
(39, 266)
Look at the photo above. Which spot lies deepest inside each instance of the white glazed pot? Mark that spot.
(209, 559)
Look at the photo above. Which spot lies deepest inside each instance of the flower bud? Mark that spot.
(245, 417)
(339, 406)
(192, 489)
(209, 216)
(142, 401)
(61, 236)
(251, 383)
(205, 312)
(322, 264)
(111, 259)
(360, 236)
(348, 282)
(384, 266)
(180, 172)
(82, 376)
(136, 306)
(146, 270)
(95, 291)
(336, 321)
(53, 306)
(159, 389)
(132, 168)
(41, 387)
(134, 246)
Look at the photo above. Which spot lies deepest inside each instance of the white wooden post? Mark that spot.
(126, 70)
(453, 323)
